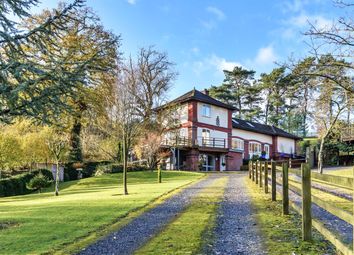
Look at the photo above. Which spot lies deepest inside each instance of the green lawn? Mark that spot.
(346, 172)
(190, 230)
(39, 223)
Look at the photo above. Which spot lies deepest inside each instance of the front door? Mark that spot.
(222, 163)
(208, 162)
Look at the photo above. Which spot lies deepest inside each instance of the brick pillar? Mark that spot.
(193, 160)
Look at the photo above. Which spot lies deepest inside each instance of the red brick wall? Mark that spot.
(192, 160)
(233, 161)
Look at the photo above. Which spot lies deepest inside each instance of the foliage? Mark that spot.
(78, 210)
(37, 77)
(240, 91)
(103, 169)
(38, 182)
(17, 185)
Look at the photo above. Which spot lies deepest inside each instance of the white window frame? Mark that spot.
(257, 152)
(267, 150)
(205, 112)
(240, 144)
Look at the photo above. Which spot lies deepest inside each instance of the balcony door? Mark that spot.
(205, 137)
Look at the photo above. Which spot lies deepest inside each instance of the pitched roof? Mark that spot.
(261, 128)
(198, 96)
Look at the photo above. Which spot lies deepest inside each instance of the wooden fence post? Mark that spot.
(260, 173)
(249, 168)
(306, 203)
(274, 180)
(266, 177)
(257, 171)
(285, 189)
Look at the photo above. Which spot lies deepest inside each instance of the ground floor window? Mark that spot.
(237, 144)
(267, 150)
(255, 149)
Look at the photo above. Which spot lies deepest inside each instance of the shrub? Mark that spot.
(38, 182)
(17, 185)
(103, 169)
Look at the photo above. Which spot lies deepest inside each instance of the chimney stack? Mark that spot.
(206, 92)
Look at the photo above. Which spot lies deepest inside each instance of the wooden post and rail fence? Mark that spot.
(259, 173)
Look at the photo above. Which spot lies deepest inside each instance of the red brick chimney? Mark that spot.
(206, 92)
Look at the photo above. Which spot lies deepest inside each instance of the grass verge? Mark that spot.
(187, 233)
(282, 234)
(43, 223)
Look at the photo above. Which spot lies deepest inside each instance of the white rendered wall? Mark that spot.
(248, 135)
(215, 111)
(286, 145)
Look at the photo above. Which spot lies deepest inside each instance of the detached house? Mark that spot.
(209, 138)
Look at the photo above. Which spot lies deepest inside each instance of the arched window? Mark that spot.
(237, 144)
(255, 148)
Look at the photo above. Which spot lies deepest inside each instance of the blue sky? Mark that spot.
(204, 37)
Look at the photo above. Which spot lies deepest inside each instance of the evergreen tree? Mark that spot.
(240, 91)
(84, 38)
(276, 86)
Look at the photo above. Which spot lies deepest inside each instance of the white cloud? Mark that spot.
(294, 6)
(220, 15)
(265, 56)
(195, 50)
(215, 64)
(132, 2)
(303, 20)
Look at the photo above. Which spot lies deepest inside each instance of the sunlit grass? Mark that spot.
(186, 234)
(282, 234)
(346, 172)
(43, 222)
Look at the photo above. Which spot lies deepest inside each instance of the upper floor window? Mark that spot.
(218, 121)
(206, 110)
(237, 144)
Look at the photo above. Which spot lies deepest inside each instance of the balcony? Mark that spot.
(211, 142)
(182, 141)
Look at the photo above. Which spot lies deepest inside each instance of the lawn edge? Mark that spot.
(81, 242)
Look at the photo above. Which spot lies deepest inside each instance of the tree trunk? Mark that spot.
(125, 163)
(57, 179)
(159, 175)
(75, 141)
(320, 156)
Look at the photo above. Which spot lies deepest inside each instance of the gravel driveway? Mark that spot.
(236, 231)
(136, 233)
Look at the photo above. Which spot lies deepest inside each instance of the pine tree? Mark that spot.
(240, 91)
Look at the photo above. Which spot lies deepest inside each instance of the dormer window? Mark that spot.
(206, 110)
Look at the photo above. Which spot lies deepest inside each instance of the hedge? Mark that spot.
(89, 169)
(16, 185)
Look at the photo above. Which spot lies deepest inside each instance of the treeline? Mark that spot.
(313, 93)
(291, 96)
(66, 92)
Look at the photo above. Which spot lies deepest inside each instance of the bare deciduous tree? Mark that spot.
(150, 78)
